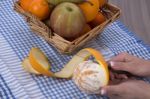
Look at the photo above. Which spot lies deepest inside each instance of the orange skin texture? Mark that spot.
(39, 8)
(86, 29)
(102, 3)
(37, 66)
(99, 19)
(90, 9)
(25, 4)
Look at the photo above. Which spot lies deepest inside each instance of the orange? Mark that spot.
(102, 3)
(90, 9)
(86, 29)
(100, 59)
(37, 63)
(100, 18)
(81, 56)
(39, 8)
(25, 4)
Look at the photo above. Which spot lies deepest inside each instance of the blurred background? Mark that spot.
(136, 16)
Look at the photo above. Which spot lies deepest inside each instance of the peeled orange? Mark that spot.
(37, 63)
(81, 56)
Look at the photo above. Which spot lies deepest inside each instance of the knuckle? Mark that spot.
(120, 64)
(126, 67)
(140, 81)
(124, 54)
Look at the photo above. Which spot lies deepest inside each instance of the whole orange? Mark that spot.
(39, 8)
(90, 9)
(102, 3)
(86, 29)
(100, 18)
(25, 4)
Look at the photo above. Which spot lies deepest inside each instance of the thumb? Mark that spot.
(123, 66)
(111, 90)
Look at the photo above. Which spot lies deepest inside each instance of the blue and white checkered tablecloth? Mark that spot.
(16, 39)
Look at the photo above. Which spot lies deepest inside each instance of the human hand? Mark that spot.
(131, 64)
(129, 89)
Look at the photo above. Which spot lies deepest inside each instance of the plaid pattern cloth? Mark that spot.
(16, 39)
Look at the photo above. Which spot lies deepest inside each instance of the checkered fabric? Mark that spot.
(16, 39)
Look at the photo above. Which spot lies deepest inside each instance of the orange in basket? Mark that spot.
(102, 2)
(86, 29)
(90, 9)
(100, 18)
(39, 8)
(25, 4)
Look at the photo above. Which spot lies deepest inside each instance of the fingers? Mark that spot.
(115, 82)
(111, 90)
(121, 76)
(120, 66)
(123, 57)
(114, 76)
(120, 57)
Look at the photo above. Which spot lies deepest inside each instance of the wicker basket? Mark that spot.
(110, 11)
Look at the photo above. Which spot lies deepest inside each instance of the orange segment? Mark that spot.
(39, 62)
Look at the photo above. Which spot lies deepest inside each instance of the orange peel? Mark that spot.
(99, 58)
(39, 63)
(81, 56)
(28, 67)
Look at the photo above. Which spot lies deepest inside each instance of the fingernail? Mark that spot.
(103, 92)
(112, 64)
